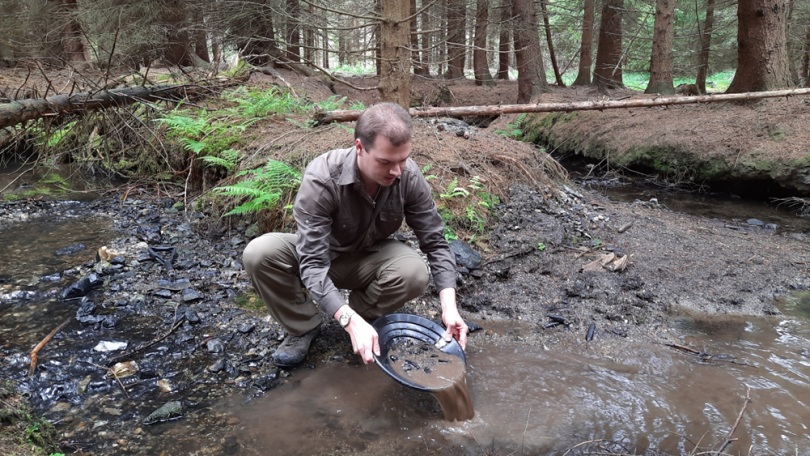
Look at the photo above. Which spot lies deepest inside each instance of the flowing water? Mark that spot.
(545, 402)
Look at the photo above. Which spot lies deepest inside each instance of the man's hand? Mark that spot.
(452, 319)
(364, 337)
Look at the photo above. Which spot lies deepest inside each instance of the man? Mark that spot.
(349, 203)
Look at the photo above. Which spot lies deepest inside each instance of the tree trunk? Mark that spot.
(178, 51)
(504, 38)
(661, 59)
(201, 38)
(791, 48)
(456, 38)
(395, 76)
(426, 40)
(804, 69)
(293, 31)
(608, 71)
(325, 39)
(309, 36)
(342, 38)
(531, 73)
(348, 115)
(480, 63)
(378, 41)
(73, 41)
(416, 55)
(586, 51)
(761, 47)
(551, 56)
(705, 47)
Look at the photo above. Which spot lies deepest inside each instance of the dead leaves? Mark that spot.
(608, 262)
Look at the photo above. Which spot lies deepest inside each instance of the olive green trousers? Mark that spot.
(380, 282)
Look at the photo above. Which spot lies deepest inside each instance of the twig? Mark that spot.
(519, 165)
(582, 443)
(522, 440)
(739, 417)
(111, 371)
(42, 344)
(153, 341)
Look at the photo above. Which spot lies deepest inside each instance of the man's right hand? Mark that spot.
(365, 339)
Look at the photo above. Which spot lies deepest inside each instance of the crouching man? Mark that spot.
(349, 203)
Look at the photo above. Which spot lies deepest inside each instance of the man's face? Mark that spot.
(383, 162)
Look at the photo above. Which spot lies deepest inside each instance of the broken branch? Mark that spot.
(42, 344)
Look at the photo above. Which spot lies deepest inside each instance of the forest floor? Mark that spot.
(542, 255)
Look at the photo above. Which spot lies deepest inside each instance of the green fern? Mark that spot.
(265, 187)
(227, 159)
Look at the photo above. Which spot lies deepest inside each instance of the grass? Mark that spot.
(638, 80)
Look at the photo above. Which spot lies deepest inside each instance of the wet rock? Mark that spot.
(174, 285)
(476, 303)
(163, 293)
(81, 387)
(755, 222)
(191, 315)
(70, 250)
(60, 407)
(185, 265)
(149, 234)
(215, 346)
(84, 314)
(82, 287)
(169, 411)
(110, 345)
(123, 370)
(191, 295)
(465, 256)
(267, 382)
(252, 231)
(117, 260)
(51, 278)
(245, 328)
(771, 226)
(770, 309)
(217, 366)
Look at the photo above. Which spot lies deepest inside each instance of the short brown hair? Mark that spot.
(387, 119)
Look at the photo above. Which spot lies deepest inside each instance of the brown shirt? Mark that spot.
(335, 215)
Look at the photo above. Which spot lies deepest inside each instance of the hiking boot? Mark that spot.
(294, 349)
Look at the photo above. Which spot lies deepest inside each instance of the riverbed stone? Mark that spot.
(71, 249)
(217, 366)
(169, 411)
(215, 346)
(465, 255)
(82, 287)
(191, 295)
(755, 222)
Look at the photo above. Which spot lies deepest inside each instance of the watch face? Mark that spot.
(344, 319)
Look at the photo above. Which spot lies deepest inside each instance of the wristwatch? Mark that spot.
(346, 317)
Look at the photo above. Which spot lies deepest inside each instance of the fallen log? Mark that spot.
(326, 117)
(20, 111)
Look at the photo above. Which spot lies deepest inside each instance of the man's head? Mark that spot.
(383, 140)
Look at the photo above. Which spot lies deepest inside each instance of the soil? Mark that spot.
(545, 232)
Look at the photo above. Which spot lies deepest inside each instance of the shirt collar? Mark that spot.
(349, 174)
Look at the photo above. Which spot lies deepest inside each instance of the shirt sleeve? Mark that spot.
(312, 211)
(424, 219)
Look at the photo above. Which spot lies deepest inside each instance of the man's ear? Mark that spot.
(359, 146)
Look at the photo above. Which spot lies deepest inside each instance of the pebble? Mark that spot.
(215, 346)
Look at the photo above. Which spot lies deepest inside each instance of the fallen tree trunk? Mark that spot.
(595, 105)
(20, 111)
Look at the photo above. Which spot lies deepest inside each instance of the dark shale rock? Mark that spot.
(82, 287)
(465, 256)
(71, 249)
(149, 233)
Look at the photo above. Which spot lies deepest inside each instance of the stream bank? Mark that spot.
(753, 149)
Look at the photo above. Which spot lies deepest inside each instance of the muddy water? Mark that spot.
(546, 402)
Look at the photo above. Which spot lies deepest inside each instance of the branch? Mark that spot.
(739, 417)
(421, 10)
(597, 105)
(42, 344)
(344, 13)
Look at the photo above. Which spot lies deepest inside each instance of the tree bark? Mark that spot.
(456, 38)
(416, 55)
(594, 105)
(586, 51)
(791, 48)
(73, 42)
(551, 56)
(293, 30)
(201, 38)
(31, 109)
(661, 59)
(395, 77)
(705, 47)
(178, 51)
(804, 69)
(504, 39)
(325, 39)
(531, 73)
(608, 71)
(761, 47)
(480, 62)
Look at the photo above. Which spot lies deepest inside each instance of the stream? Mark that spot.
(529, 400)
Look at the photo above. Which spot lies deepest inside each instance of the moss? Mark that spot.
(250, 301)
(22, 433)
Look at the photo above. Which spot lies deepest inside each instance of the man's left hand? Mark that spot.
(452, 319)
